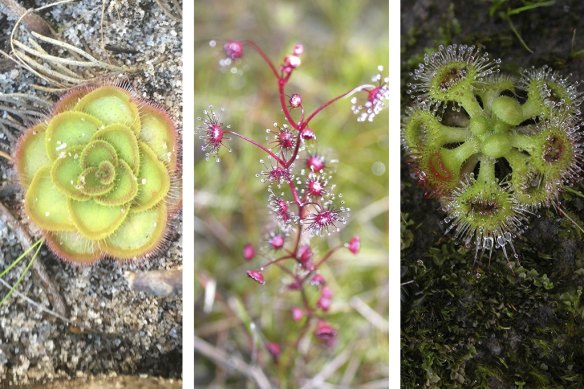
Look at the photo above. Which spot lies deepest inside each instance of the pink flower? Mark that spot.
(315, 163)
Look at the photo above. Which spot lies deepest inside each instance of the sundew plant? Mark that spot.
(492, 148)
(100, 175)
(304, 203)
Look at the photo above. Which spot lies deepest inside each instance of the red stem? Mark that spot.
(269, 152)
(296, 149)
(281, 85)
(279, 259)
(264, 56)
(305, 123)
(319, 263)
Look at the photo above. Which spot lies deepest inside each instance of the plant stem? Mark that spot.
(263, 55)
(281, 91)
(316, 111)
(277, 260)
(266, 150)
(320, 262)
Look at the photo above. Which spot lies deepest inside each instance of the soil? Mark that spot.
(119, 332)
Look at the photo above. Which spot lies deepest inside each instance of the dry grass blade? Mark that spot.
(19, 111)
(71, 67)
(171, 8)
(229, 361)
(370, 314)
(329, 369)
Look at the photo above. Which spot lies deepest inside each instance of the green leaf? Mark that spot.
(158, 132)
(46, 205)
(31, 154)
(125, 187)
(96, 221)
(111, 105)
(65, 172)
(140, 233)
(96, 152)
(153, 180)
(69, 129)
(123, 140)
(74, 246)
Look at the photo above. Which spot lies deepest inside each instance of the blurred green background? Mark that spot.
(344, 43)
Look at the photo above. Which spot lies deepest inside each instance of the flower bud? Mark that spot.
(248, 252)
(297, 314)
(325, 333)
(277, 241)
(354, 245)
(317, 280)
(233, 49)
(298, 49)
(295, 100)
(274, 349)
(292, 61)
(308, 134)
(304, 254)
(257, 276)
(315, 163)
(325, 299)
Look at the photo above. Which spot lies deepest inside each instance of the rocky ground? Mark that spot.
(117, 331)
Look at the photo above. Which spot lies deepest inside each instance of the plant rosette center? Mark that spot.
(99, 175)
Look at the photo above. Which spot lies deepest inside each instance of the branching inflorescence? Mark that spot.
(493, 149)
(301, 196)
